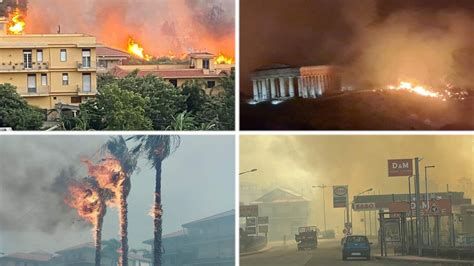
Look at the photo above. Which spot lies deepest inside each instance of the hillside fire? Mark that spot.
(223, 59)
(421, 90)
(137, 50)
(16, 24)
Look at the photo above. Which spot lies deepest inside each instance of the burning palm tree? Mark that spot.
(156, 149)
(90, 201)
(117, 147)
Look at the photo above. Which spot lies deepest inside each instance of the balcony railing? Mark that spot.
(92, 91)
(38, 91)
(14, 67)
(90, 66)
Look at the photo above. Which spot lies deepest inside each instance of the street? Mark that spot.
(327, 253)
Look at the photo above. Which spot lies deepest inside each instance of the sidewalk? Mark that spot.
(425, 259)
(265, 249)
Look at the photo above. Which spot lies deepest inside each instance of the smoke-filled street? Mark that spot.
(328, 253)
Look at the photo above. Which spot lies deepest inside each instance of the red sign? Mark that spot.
(400, 167)
(368, 206)
(436, 207)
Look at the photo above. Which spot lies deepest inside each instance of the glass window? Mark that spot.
(31, 83)
(65, 79)
(39, 55)
(86, 82)
(63, 55)
(44, 79)
(205, 63)
(211, 84)
(27, 59)
(86, 58)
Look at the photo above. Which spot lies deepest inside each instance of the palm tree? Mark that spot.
(156, 148)
(117, 147)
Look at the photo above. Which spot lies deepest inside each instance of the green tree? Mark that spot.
(165, 101)
(195, 95)
(15, 111)
(116, 109)
(156, 149)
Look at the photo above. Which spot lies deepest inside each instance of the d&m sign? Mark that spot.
(400, 167)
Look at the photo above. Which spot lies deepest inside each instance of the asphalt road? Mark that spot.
(327, 253)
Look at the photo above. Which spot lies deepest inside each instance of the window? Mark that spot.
(65, 79)
(205, 63)
(31, 83)
(63, 55)
(86, 58)
(86, 82)
(174, 82)
(39, 55)
(211, 84)
(27, 59)
(44, 79)
(76, 99)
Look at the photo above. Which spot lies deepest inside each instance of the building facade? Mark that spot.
(208, 241)
(49, 69)
(201, 67)
(284, 81)
(286, 211)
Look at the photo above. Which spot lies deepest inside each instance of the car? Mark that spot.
(356, 246)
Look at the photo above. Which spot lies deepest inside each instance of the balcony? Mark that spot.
(35, 92)
(86, 68)
(82, 92)
(21, 67)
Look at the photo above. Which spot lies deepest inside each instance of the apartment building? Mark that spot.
(49, 69)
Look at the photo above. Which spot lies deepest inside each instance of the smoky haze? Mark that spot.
(35, 171)
(300, 162)
(161, 26)
(377, 42)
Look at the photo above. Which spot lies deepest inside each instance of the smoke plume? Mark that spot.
(161, 26)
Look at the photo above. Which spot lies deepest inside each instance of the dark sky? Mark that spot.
(309, 32)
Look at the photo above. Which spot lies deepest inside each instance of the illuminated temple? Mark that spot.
(284, 81)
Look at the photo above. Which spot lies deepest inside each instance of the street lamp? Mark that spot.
(427, 202)
(324, 204)
(249, 171)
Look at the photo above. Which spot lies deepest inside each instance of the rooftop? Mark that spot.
(280, 195)
(88, 245)
(190, 73)
(33, 256)
(213, 217)
(105, 51)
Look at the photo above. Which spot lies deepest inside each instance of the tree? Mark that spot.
(117, 147)
(116, 109)
(195, 95)
(165, 101)
(15, 111)
(156, 148)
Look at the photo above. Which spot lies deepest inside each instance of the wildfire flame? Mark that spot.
(223, 59)
(415, 89)
(86, 200)
(137, 50)
(16, 25)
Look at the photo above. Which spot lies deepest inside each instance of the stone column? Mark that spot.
(320, 88)
(300, 87)
(305, 87)
(272, 85)
(255, 90)
(291, 88)
(264, 90)
(282, 88)
(313, 87)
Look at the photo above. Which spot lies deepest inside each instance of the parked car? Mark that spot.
(356, 246)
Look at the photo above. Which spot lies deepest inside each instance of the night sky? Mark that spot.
(311, 32)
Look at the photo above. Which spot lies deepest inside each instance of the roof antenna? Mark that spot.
(59, 29)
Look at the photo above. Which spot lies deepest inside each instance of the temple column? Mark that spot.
(313, 87)
(306, 87)
(255, 90)
(291, 89)
(300, 87)
(282, 87)
(273, 89)
(320, 88)
(264, 90)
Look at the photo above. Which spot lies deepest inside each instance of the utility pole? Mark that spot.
(427, 205)
(411, 212)
(418, 205)
(324, 204)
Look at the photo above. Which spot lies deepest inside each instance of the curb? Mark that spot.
(265, 249)
(425, 259)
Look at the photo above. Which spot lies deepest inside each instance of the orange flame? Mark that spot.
(137, 50)
(415, 89)
(109, 174)
(16, 25)
(222, 59)
(86, 200)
